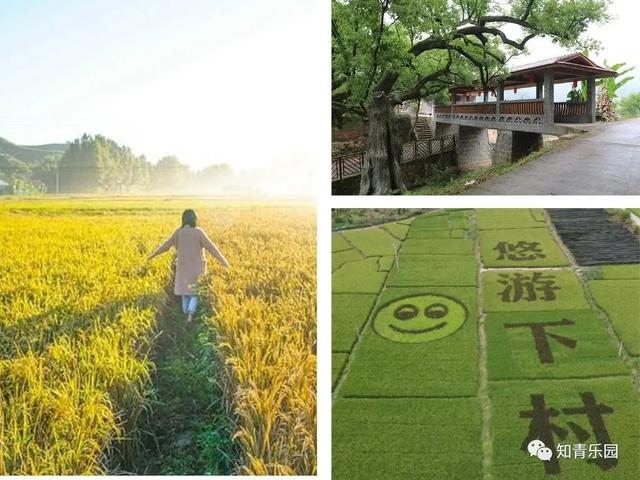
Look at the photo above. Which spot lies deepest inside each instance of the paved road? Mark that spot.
(605, 161)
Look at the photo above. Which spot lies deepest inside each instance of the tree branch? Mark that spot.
(374, 61)
(415, 91)
(527, 12)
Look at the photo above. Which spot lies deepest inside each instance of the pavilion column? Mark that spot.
(538, 90)
(548, 97)
(591, 99)
(453, 101)
(500, 96)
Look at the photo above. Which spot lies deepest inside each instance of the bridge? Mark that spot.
(539, 115)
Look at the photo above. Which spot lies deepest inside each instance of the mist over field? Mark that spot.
(211, 97)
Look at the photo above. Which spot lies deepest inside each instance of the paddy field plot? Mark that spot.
(452, 341)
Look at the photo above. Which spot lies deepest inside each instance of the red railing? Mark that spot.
(517, 107)
(522, 107)
(468, 108)
(575, 112)
(570, 112)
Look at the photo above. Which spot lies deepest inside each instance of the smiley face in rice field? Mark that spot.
(420, 318)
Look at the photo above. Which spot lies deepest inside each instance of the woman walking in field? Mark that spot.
(191, 263)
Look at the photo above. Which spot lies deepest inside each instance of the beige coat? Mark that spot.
(191, 262)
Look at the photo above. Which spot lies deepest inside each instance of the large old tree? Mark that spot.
(386, 52)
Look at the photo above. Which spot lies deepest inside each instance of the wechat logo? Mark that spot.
(538, 449)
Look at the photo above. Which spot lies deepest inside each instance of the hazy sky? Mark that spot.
(239, 81)
(210, 81)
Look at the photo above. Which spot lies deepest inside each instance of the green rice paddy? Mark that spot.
(620, 299)
(445, 370)
(520, 247)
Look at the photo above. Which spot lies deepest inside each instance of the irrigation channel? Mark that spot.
(187, 430)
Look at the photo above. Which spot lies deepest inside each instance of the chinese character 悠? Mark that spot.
(519, 251)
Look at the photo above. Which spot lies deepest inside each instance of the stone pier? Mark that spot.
(472, 145)
(512, 146)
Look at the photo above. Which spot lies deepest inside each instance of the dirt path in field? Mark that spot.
(483, 387)
(187, 431)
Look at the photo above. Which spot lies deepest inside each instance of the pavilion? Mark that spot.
(539, 115)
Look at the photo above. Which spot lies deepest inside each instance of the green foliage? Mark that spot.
(457, 185)
(12, 169)
(373, 40)
(575, 96)
(214, 173)
(169, 173)
(98, 164)
(30, 155)
(25, 187)
(612, 85)
(629, 106)
(365, 217)
(48, 171)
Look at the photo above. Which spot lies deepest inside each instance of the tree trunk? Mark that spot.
(381, 172)
(338, 119)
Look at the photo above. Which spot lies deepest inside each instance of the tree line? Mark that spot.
(97, 164)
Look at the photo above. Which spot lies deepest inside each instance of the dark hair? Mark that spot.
(190, 218)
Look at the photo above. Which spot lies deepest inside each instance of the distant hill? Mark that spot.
(30, 154)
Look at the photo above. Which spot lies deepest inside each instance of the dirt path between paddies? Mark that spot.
(188, 431)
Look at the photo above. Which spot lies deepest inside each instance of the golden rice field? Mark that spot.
(78, 326)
